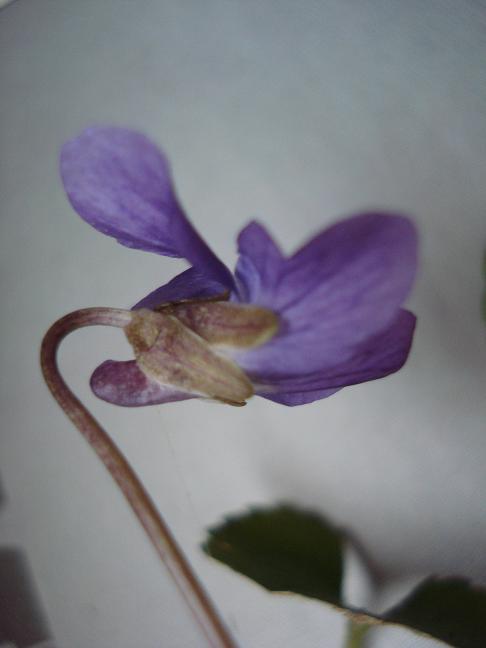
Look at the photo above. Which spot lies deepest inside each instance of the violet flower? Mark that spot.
(294, 329)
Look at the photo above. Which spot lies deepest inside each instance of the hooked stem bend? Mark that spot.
(152, 522)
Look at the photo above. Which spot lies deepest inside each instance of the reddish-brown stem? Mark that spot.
(121, 471)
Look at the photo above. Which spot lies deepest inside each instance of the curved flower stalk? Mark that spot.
(294, 330)
(153, 524)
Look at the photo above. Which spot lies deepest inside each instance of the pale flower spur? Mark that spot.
(292, 330)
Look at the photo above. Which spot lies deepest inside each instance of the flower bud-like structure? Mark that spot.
(178, 346)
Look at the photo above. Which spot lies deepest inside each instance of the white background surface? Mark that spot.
(298, 113)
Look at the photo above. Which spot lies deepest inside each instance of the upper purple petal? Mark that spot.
(379, 356)
(189, 284)
(119, 182)
(339, 290)
(260, 266)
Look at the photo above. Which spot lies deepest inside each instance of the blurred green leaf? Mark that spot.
(284, 550)
(288, 550)
(448, 609)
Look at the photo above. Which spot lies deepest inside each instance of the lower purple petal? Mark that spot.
(190, 284)
(379, 356)
(343, 287)
(291, 399)
(122, 383)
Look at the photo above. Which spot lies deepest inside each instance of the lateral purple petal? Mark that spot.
(343, 287)
(377, 357)
(119, 182)
(122, 383)
(190, 284)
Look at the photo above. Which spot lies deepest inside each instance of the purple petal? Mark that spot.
(260, 265)
(190, 284)
(122, 383)
(345, 286)
(377, 357)
(119, 182)
(291, 399)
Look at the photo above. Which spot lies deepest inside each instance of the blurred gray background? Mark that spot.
(297, 113)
